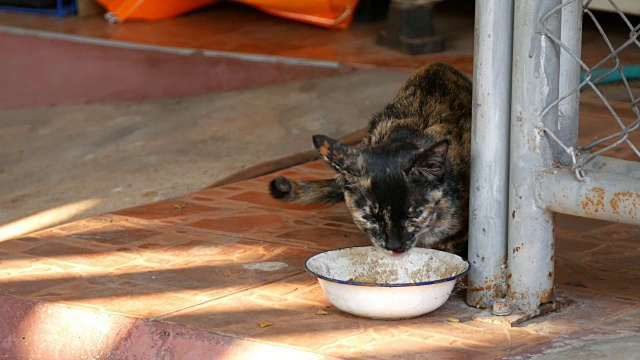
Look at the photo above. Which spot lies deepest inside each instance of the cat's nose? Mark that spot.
(394, 244)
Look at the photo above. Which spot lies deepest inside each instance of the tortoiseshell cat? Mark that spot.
(408, 182)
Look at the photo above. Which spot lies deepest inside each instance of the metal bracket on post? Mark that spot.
(410, 28)
(518, 317)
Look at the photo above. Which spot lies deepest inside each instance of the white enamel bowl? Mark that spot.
(365, 282)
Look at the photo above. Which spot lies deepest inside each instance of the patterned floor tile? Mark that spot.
(226, 259)
(592, 327)
(290, 307)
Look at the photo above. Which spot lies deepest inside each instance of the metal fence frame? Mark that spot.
(526, 164)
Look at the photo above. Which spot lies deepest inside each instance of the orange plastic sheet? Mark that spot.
(335, 14)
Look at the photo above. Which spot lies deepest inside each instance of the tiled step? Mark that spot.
(199, 274)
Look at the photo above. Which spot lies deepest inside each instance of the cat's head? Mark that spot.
(394, 191)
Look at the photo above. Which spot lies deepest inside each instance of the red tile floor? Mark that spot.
(209, 267)
(194, 276)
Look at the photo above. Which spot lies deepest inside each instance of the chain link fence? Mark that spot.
(593, 77)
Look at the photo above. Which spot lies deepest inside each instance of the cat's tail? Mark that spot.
(306, 192)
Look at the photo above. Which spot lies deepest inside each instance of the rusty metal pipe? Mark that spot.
(535, 86)
(613, 165)
(490, 151)
(602, 195)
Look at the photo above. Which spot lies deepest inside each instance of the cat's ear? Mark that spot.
(343, 158)
(431, 161)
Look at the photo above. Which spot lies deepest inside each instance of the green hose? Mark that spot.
(631, 72)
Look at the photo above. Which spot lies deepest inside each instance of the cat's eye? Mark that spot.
(413, 214)
(369, 217)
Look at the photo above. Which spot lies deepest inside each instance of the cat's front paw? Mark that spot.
(280, 187)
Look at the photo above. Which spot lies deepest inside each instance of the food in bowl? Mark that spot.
(366, 282)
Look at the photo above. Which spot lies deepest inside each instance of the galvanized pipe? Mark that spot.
(613, 165)
(535, 86)
(568, 109)
(602, 195)
(490, 151)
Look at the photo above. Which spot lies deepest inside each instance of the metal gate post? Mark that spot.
(568, 109)
(490, 151)
(535, 85)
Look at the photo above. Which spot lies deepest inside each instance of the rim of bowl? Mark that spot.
(356, 283)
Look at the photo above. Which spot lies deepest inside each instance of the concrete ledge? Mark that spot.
(38, 330)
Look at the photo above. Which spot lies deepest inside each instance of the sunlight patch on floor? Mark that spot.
(45, 219)
(53, 331)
